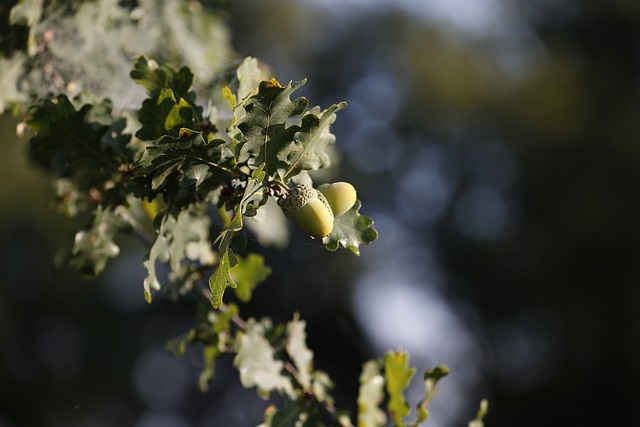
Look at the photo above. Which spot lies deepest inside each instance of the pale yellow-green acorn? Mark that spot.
(309, 209)
(340, 195)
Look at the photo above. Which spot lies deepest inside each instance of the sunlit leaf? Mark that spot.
(165, 115)
(350, 230)
(478, 421)
(221, 279)
(248, 74)
(312, 140)
(159, 252)
(322, 385)
(248, 273)
(255, 360)
(431, 378)
(297, 349)
(181, 238)
(398, 376)
(154, 78)
(371, 395)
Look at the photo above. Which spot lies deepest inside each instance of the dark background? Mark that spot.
(498, 152)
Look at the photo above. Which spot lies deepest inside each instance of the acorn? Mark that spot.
(309, 209)
(340, 195)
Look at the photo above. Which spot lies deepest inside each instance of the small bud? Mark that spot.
(340, 195)
(309, 209)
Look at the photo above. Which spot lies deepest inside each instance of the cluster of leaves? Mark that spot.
(187, 179)
(275, 358)
(188, 175)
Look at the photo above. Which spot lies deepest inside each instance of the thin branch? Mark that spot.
(135, 224)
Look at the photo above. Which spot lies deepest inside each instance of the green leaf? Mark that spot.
(478, 421)
(178, 346)
(312, 140)
(371, 395)
(221, 279)
(182, 237)
(297, 349)
(94, 246)
(398, 376)
(159, 252)
(350, 230)
(248, 74)
(190, 238)
(171, 104)
(72, 145)
(209, 355)
(255, 360)
(321, 385)
(267, 138)
(226, 235)
(247, 274)
(294, 414)
(431, 378)
(154, 78)
(254, 195)
(186, 161)
(165, 114)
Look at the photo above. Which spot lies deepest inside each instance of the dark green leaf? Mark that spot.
(187, 161)
(165, 115)
(71, 144)
(267, 138)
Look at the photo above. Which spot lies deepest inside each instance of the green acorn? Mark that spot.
(309, 209)
(340, 195)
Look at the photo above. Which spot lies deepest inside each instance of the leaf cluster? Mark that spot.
(276, 359)
(184, 182)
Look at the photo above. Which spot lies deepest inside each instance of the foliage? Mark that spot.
(185, 177)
